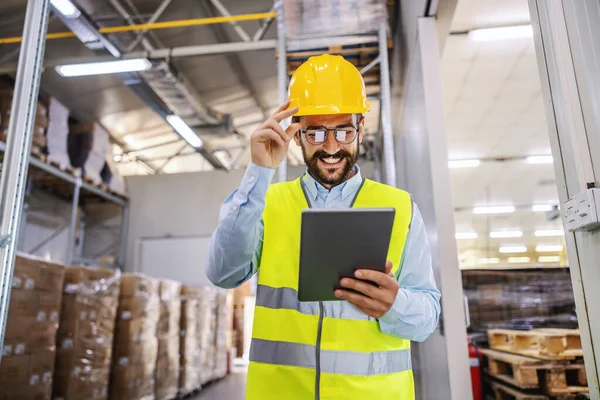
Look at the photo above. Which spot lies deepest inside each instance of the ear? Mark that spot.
(297, 138)
(361, 129)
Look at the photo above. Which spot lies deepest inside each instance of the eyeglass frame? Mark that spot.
(326, 129)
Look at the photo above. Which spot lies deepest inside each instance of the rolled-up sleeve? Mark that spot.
(235, 247)
(416, 310)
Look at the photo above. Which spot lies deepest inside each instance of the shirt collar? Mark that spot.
(349, 187)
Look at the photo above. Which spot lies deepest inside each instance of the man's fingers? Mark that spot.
(382, 279)
(268, 134)
(282, 107)
(359, 300)
(280, 116)
(273, 125)
(365, 288)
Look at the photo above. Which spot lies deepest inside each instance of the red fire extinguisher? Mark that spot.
(475, 371)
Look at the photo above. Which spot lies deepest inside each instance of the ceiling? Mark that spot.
(494, 110)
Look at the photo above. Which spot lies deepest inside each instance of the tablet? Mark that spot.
(337, 242)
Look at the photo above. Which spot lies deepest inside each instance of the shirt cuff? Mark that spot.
(257, 179)
(390, 319)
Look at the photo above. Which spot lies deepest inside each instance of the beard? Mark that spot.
(330, 176)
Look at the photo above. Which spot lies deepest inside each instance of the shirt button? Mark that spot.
(252, 178)
(234, 208)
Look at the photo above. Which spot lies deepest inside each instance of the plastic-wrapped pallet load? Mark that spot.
(58, 133)
(207, 325)
(167, 332)
(29, 351)
(136, 345)
(85, 333)
(190, 359)
(223, 333)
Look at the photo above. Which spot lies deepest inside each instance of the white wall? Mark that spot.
(181, 206)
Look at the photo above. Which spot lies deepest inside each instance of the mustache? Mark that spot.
(324, 154)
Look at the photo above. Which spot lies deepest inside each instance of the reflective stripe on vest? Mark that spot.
(333, 362)
(327, 350)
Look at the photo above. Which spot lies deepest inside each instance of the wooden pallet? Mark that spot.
(545, 344)
(505, 392)
(552, 378)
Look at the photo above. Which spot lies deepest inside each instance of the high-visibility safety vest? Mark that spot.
(307, 350)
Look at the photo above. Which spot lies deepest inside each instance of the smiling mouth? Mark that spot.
(332, 160)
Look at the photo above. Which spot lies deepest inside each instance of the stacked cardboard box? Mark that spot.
(239, 295)
(224, 323)
(167, 332)
(41, 118)
(58, 133)
(29, 351)
(85, 334)
(207, 327)
(190, 350)
(136, 345)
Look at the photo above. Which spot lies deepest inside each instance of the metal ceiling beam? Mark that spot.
(224, 12)
(233, 59)
(157, 14)
(264, 26)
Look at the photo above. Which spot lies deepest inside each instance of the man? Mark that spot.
(356, 348)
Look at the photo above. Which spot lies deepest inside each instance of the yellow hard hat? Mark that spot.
(328, 84)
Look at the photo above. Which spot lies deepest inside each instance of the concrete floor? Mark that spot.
(230, 388)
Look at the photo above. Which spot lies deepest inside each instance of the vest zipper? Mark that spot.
(318, 353)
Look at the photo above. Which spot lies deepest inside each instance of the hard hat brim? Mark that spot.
(329, 109)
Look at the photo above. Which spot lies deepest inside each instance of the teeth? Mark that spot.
(331, 160)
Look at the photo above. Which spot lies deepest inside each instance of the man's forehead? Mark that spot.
(327, 120)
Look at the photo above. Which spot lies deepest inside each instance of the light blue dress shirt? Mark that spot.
(236, 245)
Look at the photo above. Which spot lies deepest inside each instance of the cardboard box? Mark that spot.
(136, 352)
(135, 329)
(132, 381)
(37, 274)
(27, 376)
(92, 281)
(169, 347)
(139, 285)
(169, 322)
(169, 290)
(240, 293)
(167, 378)
(139, 307)
(191, 292)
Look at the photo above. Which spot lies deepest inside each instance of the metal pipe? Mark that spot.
(159, 11)
(281, 75)
(73, 222)
(386, 113)
(370, 65)
(260, 32)
(20, 130)
(154, 26)
(153, 146)
(123, 236)
(224, 12)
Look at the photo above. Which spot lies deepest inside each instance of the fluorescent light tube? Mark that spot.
(542, 208)
(518, 260)
(502, 33)
(506, 234)
(108, 67)
(184, 130)
(464, 163)
(466, 235)
(540, 160)
(513, 249)
(491, 260)
(66, 8)
(548, 248)
(549, 259)
(549, 232)
(494, 210)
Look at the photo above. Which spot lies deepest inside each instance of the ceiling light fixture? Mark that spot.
(466, 235)
(101, 68)
(543, 208)
(502, 33)
(548, 248)
(518, 260)
(491, 260)
(66, 8)
(549, 232)
(506, 234)
(184, 130)
(117, 157)
(464, 163)
(549, 259)
(494, 210)
(540, 160)
(513, 249)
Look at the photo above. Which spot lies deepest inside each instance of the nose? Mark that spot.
(331, 145)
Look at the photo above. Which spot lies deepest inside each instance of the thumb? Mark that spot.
(388, 267)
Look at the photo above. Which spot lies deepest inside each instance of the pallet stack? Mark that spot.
(208, 327)
(40, 122)
(167, 332)
(136, 345)
(239, 296)
(85, 334)
(29, 351)
(539, 364)
(190, 360)
(223, 334)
